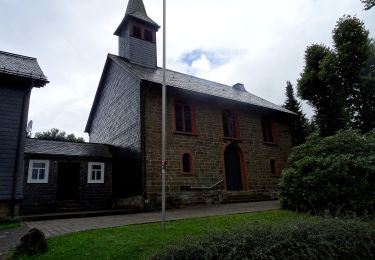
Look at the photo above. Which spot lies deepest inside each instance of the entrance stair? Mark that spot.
(247, 196)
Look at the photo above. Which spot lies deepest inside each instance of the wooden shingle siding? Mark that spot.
(42, 197)
(142, 52)
(124, 50)
(11, 104)
(117, 121)
(117, 117)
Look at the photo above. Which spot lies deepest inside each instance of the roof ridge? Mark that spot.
(65, 141)
(17, 55)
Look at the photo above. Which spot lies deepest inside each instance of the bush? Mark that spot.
(335, 174)
(321, 239)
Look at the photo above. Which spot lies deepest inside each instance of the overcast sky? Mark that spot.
(258, 43)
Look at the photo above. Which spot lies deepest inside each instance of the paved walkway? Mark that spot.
(63, 226)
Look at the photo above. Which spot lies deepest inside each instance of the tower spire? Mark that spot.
(137, 35)
(136, 6)
(136, 9)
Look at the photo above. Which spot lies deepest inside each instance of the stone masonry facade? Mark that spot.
(207, 148)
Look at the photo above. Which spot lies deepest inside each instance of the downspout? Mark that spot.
(20, 144)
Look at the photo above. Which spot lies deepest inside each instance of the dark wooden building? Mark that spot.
(18, 75)
(223, 142)
(66, 176)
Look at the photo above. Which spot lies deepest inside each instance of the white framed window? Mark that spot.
(95, 172)
(38, 171)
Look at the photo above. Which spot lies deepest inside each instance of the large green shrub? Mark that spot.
(335, 174)
(320, 239)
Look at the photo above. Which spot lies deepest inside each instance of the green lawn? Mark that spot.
(141, 241)
(9, 226)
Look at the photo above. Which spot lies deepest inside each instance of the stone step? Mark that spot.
(67, 206)
(233, 197)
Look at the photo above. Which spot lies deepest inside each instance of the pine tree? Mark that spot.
(368, 4)
(299, 125)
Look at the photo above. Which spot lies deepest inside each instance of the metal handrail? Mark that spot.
(206, 187)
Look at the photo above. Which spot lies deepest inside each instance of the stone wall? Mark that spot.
(207, 147)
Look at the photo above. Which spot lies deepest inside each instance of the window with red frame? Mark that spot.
(274, 169)
(187, 163)
(269, 133)
(183, 118)
(230, 124)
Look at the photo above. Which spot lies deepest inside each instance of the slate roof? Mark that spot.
(137, 9)
(23, 66)
(195, 84)
(49, 147)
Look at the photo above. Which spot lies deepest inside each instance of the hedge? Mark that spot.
(320, 239)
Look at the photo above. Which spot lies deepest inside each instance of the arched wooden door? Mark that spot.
(233, 174)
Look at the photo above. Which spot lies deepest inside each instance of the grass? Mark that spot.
(9, 226)
(142, 241)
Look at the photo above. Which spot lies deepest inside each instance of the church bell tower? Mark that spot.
(137, 36)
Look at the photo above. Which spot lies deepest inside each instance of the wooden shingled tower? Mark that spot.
(137, 36)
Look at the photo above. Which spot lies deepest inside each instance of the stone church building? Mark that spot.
(224, 144)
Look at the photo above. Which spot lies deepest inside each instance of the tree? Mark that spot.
(339, 82)
(353, 53)
(58, 135)
(321, 91)
(368, 4)
(368, 92)
(299, 126)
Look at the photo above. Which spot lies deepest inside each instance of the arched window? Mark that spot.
(274, 168)
(184, 120)
(187, 163)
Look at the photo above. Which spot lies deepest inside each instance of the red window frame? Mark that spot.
(180, 119)
(191, 166)
(269, 131)
(274, 168)
(230, 124)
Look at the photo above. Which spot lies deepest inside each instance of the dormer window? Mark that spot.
(137, 31)
(148, 35)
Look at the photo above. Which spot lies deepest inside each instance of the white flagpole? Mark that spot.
(164, 120)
